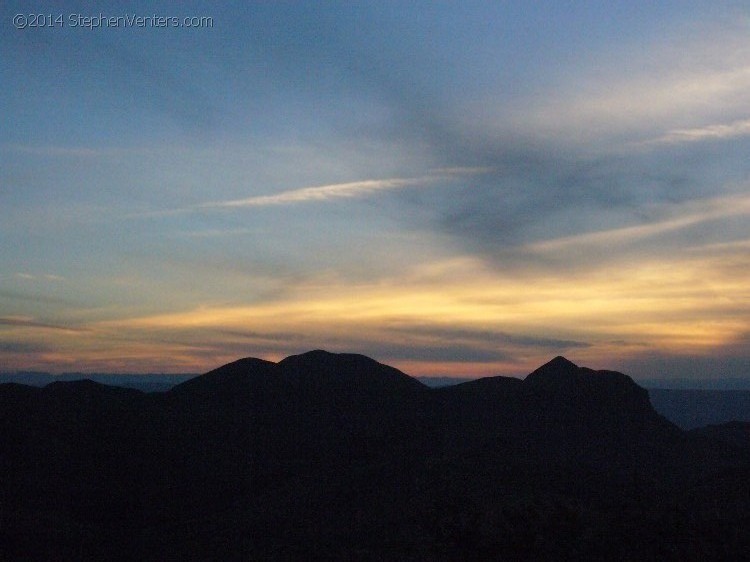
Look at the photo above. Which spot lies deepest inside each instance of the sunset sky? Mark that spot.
(452, 188)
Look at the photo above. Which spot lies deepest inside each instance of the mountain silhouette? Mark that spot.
(579, 393)
(336, 456)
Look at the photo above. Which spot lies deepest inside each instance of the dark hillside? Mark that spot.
(336, 456)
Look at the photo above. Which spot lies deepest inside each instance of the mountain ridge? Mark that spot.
(337, 456)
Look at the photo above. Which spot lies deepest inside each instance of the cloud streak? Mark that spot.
(441, 334)
(719, 131)
(346, 190)
(713, 209)
(26, 322)
(32, 277)
(318, 193)
(324, 193)
(321, 193)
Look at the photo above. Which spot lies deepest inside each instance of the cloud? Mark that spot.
(23, 347)
(559, 167)
(36, 298)
(452, 353)
(345, 190)
(520, 164)
(264, 336)
(697, 212)
(43, 277)
(715, 367)
(664, 97)
(673, 81)
(719, 131)
(27, 322)
(722, 246)
(545, 195)
(320, 193)
(485, 337)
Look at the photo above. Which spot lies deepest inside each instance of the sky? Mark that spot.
(455, 189)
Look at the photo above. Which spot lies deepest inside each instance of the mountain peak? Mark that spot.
(235, 377)
(323, 355)
(559, 370)
(573, 392)
(561, 362)
(320, 360)
(315, 353)
(358, 373)
(315, 356)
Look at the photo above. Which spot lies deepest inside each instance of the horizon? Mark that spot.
(453, 190)
(723, 384)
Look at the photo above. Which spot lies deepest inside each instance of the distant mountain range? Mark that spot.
(159, 382)
(327, 456)
(146, 382)
(688, 408)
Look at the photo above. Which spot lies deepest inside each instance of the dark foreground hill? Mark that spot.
(338, 457)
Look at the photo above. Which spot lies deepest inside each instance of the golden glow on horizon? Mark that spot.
(666, 305)
(656, 305)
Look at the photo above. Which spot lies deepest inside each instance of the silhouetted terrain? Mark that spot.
(147, 383)
(688, 408)
(338, 457)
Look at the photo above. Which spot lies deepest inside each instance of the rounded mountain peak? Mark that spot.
(350, 370)
(236, 377)
(327, 359)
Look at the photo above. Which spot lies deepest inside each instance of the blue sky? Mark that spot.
(452, 188)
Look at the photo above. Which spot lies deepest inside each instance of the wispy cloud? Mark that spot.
(709, 132)
(323, 192)
(36, 298)
(707, 210)
(722, 246)
(443, 334)
(677, 80)
(477, 314)
(28, 322)
(43, 277)
(23, 347)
